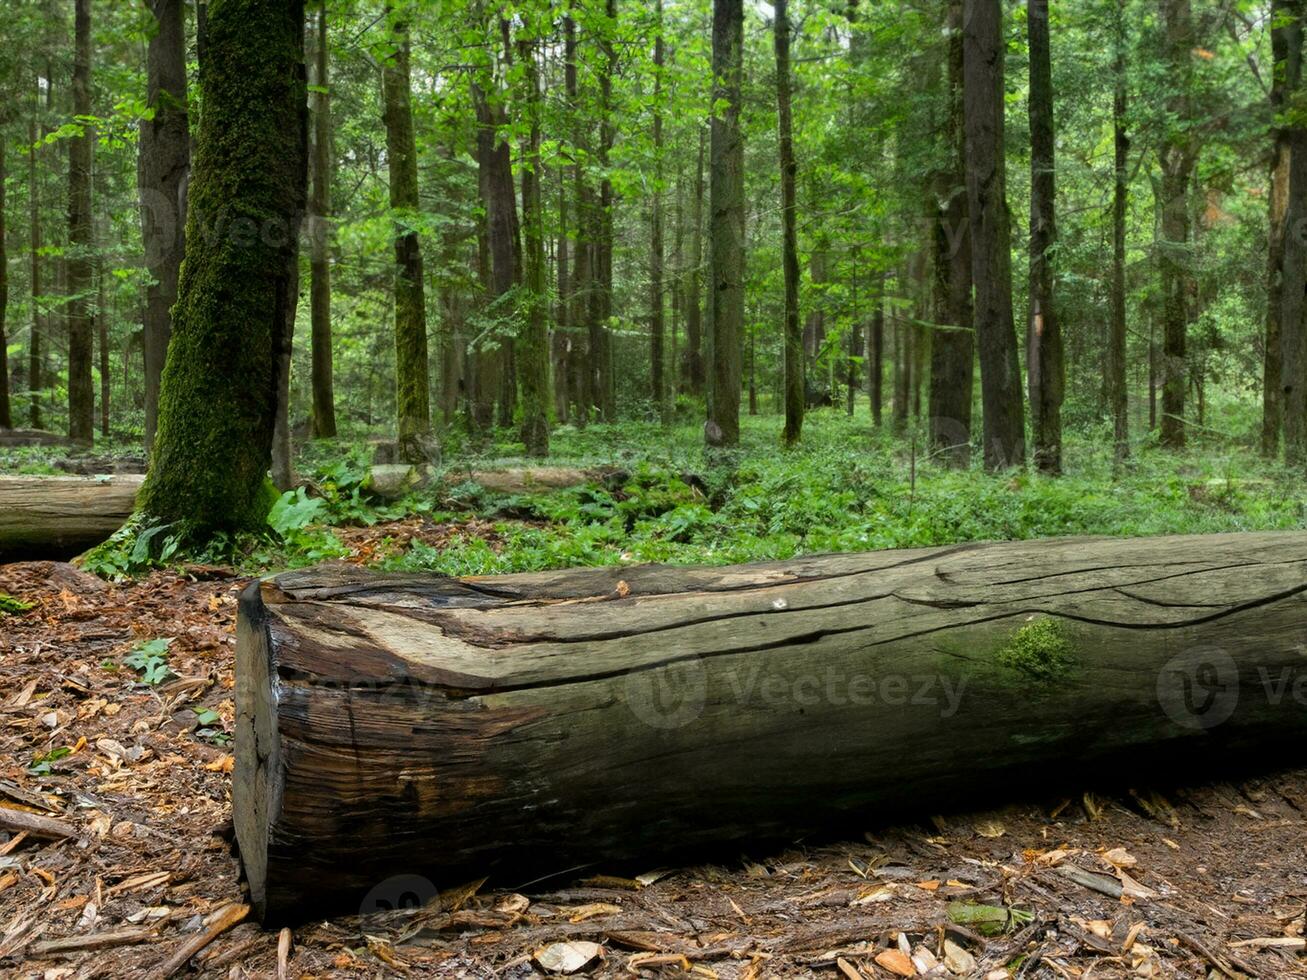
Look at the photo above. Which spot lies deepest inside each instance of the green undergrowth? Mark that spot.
(847, 487)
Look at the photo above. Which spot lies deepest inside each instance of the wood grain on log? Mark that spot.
(61, 516)
(392, 724)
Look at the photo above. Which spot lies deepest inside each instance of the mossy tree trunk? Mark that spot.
(412, 385)
(324, 396)
(218, 398)
(1117, 398)
(1277, 202)
(165, 158)
(526, 724)
(535, 333)
(81, 326)
(726, 226)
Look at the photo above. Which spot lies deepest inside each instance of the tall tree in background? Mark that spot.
(726, 226)
(1044, 333)
(535, 336)
(601, 305)
(991, 254)
(324, 397)
(6, 412)
(1278, 202)
(793, 329)
(952, 350)
(35, 360)
(412, 386)
(163, 161)
(1293, 273)
(1177, 157)
(81, 352)
(1117, 401)
(580, 280)
(694, 375)
(656, 322)
(247, 193)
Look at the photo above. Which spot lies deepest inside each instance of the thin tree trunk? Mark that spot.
(81, 348)
(991, 255)
(583, 354)
(656, 323)
(876, 354)
(694, 367)
(6, 412)
(792, 330)
(535, 339)
(217, 404)
(1116, 341)
(1044, 363)
(324, 396)
(952, 351)
(34, 355)
(602, 293)
(283, 456)
(102, 320)
(1177, 158)
(413, 394)
(726, 290)
(163, 162)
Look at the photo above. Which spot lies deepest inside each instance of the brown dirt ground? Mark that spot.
(1215, 876)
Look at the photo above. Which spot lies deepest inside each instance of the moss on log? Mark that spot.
(394, 724)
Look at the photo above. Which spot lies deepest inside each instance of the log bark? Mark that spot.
(61, 516)
(508, 726)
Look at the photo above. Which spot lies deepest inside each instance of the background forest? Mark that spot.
(1087, 267)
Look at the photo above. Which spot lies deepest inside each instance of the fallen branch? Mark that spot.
(230, 916)
(34, 825)
(94, 940)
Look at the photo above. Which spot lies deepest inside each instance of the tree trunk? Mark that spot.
(991, 247)
(283, 454)
(320, 162)
(163, 162)
(218, 401)
(35, 360)
(102, 340)
(601, 310)
(535, 723)
(57, 517)
(726, 226)
(535, 337)
(1177, 157)
(1117, 400)
(657, 342)
(81, 328)
(694, 368)
(412, 386)
(1044, 334)
(6, 412)
(792, 330)
(876, 354)
(952, 351)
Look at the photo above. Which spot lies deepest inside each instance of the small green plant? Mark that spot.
(1041, 649)
(10, 606)
(150, 660)
(211, 729)
(43, 763)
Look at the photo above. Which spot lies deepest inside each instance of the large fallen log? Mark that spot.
(392, 724)
(54, 517)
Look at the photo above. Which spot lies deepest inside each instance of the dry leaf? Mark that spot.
(896, 962)
(567, 957)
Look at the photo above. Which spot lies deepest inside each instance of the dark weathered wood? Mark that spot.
(61, 516)
(392, 724)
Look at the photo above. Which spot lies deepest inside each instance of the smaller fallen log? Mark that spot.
(390, 481)
(389, 726)
(52, 517)
(30, 437)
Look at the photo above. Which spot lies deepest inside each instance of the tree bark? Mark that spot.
(218, 402)
(57, 517)
(792, 330)
(535, 337)
(601, 309)
(1178, 158)
(1044, 364)
(81, 327)
(1117, 401)
(876, 354)
(991, 238)
(694, 368)
(163, 162)
(457, 728)
(582, 279)
(657, 324)
(35, 359)
(726, 226)
(952, 352)
(320, 162)
(412, 386)
(102, 343)
(1272, 385)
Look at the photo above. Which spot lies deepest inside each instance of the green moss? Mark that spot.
(9, 606)
(1041, 650)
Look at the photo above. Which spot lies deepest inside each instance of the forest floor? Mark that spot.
(116, 708)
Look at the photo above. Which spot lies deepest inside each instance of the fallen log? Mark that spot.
(30, 437)
(391, 481)
(61, 516)
(455, 728)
